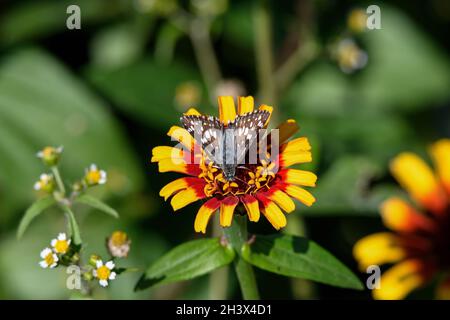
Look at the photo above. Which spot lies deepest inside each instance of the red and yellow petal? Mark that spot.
(251, 206)
(440, 152)
(282, 200)
(286, 130)
(227, 109)
(187, 196)
(272, 212)
(400, 216)
(204, 214)
(180, 166)
(300, 194)
(179, 184)
(296, 145)
(378, 249)
(245, 105)
(166, 152)
(298, 177)
(420, 182)
(227, 207)
(398, 281)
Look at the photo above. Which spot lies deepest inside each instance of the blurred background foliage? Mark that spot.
(109, 92)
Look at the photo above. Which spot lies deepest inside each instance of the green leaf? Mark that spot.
(301, 258)
(187, 261)
(97, 204)
(73, 227)
(32, 212)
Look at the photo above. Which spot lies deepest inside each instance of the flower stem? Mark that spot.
(263, 51)
(237, 235)
(58, 179)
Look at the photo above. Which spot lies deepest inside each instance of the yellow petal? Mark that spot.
(181, 135)
(227, 210)
(287, 129)
(170, 165)
(299, 177)
(288, 159)
(440, 152)
(418, 179)
(227, 110)
(400, 216)
(192, 112)
(282, 200)
(296, 145)
(397, 282)
(173, 187)
(245, 104)
(252, 207)
(204, 214)
(378, 249)
(165, 152)
(301, 195)
(274, 215)
(185, 197)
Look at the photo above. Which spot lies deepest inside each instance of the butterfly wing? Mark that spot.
(206, 130)
(247, 127)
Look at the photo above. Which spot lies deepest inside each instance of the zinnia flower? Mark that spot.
(257, 188)
(419, 244)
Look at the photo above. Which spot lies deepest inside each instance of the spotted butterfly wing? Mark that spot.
(247, 127)
(206, 130)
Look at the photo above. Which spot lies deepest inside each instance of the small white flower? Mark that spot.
(61, 243)
(45, 183)
(50, 260)
(50, 155)
(95, 176)
(104, 272)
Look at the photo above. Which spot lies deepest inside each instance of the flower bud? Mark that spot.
(118, 244)
(50, 156)
(93, 259)
(46, 183)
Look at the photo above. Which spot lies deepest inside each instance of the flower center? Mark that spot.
(119, 238)
(249, 178)
(103, 273)
(49, 259)
(93, 176)
(61, 246)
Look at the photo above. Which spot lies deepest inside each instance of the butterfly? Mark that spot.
(226, 144)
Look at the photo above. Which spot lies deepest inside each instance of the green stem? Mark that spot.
(199, 34)
(58, 179)
(73, 225)
(237, 235)
(218, 281)
(263, 51)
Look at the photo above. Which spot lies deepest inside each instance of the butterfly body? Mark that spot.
(226, 144)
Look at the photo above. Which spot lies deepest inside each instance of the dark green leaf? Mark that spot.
(187, 261)
(32, 212)
(147, 90)
(301, 258)
(42, 103)
(97, 204)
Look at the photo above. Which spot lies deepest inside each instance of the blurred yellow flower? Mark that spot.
(118, 244)
(419, 244)
(61, 244)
